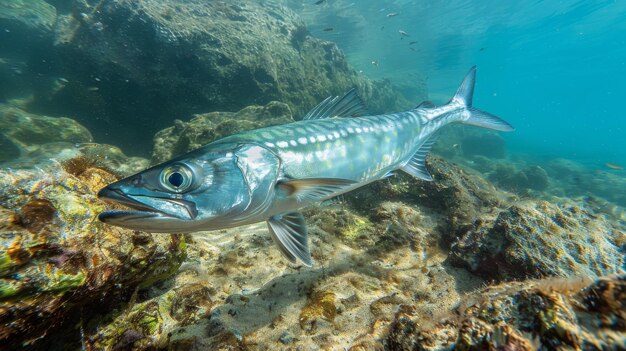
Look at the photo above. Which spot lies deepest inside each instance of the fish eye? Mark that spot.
(177, 178)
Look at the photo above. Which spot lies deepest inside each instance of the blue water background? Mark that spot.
(554, 69)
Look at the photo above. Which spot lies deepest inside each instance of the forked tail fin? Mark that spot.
(478, 118)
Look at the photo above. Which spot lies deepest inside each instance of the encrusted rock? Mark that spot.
(205, 128)
(28, 133)
(544, 314)
(142, 63)
(56, 257)
(529, 178)
(538, 239)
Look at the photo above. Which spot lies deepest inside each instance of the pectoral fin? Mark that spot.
(314, 189)
(289, 232)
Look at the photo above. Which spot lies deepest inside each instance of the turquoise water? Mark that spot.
(554, 69)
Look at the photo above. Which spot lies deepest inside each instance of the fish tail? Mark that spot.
(478, 118)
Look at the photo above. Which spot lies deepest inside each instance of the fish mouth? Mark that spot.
(116, 196)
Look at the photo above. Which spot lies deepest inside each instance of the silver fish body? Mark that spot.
(268, 174)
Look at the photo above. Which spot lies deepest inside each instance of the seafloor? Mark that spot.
(500, 252)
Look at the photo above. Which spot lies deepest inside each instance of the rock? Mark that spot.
(574, 179)
(539, 239)
(26, 130)
(22, 21)
(529, 178)
(320, 307)
(208, 127)
(56, 258)
(484, 144)
(142, 63)
(544, 314)
(286, 338)
(459, 194)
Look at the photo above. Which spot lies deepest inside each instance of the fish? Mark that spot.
(403, 34)
(319, 2)
(270, 174)
(614, 166)
(413, 42)
(392, 14)
(329, 29)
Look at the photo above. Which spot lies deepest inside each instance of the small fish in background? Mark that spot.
(614, 166)
(412, 48)
(392, 14)
(403, 34)
(92, 89)
(319, 2)
(328, 29)
(374, 63)
(413, 42)
(482, 49)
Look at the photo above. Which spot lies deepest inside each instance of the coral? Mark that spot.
(538, 239)
(56, 258)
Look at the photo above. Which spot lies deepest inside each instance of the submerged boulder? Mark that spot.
(130, 67)
(56, 257)
(533, 315)
(27, 132)
(539, 239)
(205, 128)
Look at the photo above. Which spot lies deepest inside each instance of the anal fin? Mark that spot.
(417, 164)
(290, 233)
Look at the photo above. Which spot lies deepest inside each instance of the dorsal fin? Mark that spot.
(426, 104)
(349, 105)
(417, 164)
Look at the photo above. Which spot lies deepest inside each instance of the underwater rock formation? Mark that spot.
(30, 19)
(538, 239)
(529, 178)
(56, 258)
(459, 194)
(143, 63)
(208, 127)
(575, 179)
(551, 314)
(28, 140)
(24, 132)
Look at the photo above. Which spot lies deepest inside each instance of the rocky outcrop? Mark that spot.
(28, 140)
(539, 239)
(141, 64)
(55, 258)
(25, 133)
(205, 128)
(533, 315)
